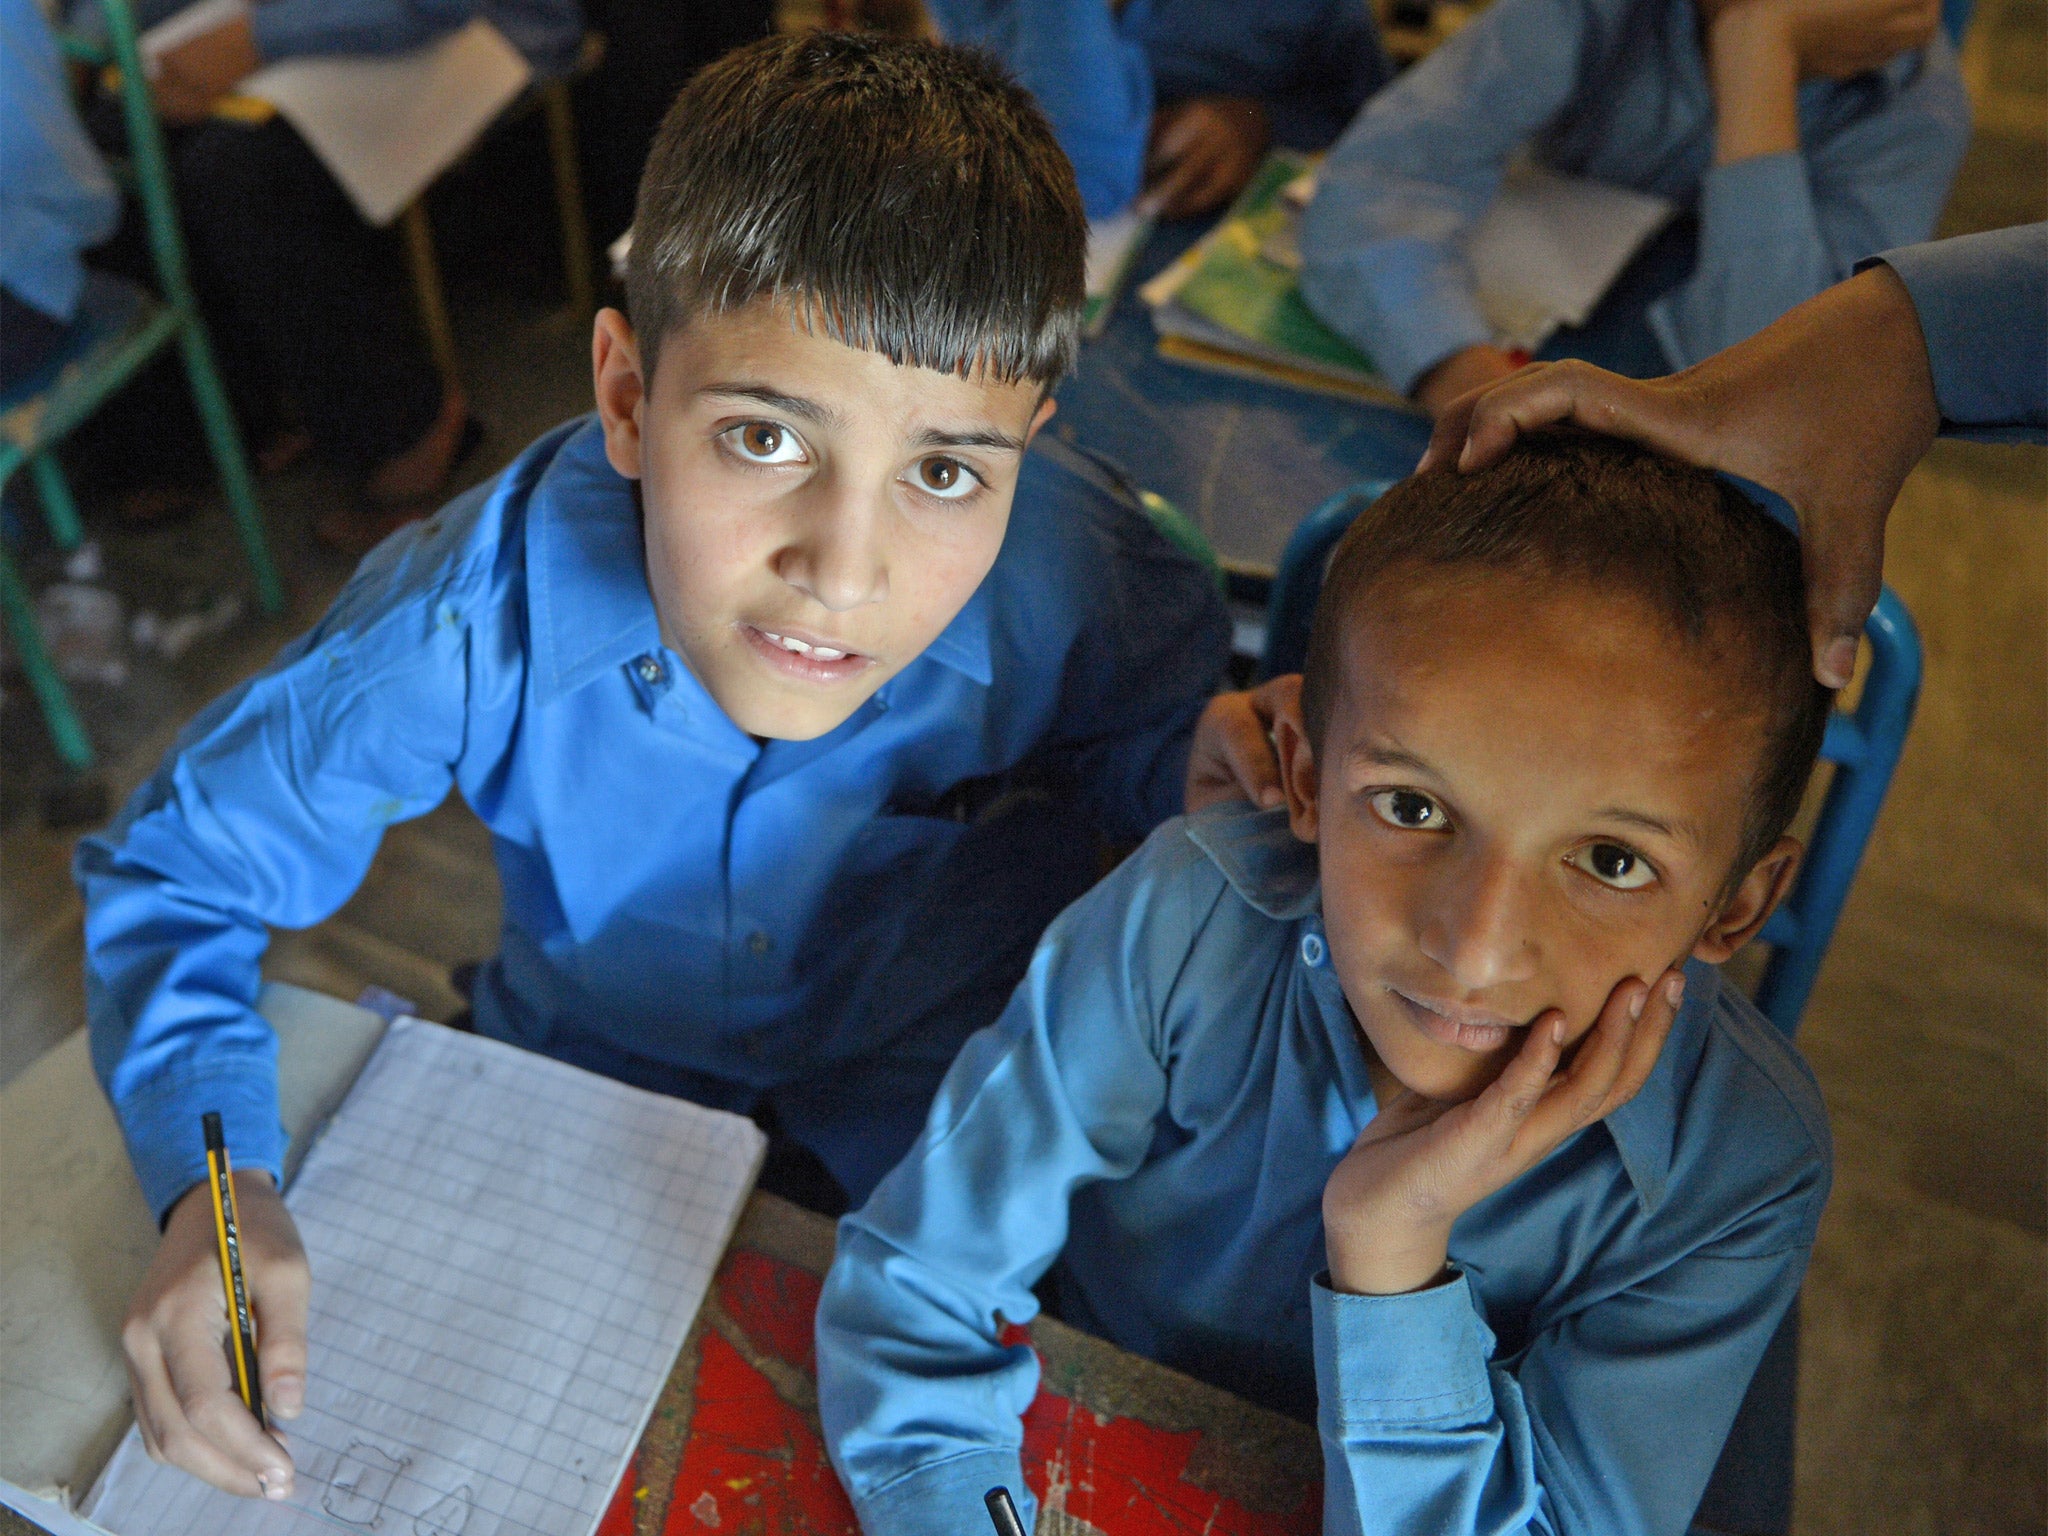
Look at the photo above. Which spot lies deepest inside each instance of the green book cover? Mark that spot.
(1241, 289)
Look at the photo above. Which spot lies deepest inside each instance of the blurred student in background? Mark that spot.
(1173, 103)
(1800, 136)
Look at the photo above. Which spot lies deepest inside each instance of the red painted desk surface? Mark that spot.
(1112, 1444)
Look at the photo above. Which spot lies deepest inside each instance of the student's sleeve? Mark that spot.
(1085, 62)
(265, 813)
(1382, 243)
(1774, 230)
(1608, 1423)
(1982, 301)
(920, 1398)
(1150, 654)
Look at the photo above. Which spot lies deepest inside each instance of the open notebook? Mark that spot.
(384, 125)
(507, 1253)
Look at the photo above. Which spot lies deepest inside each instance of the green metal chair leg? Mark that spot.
(224, 440)
(72, 744)
(59, 510)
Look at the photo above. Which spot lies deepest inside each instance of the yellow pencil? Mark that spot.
(226, 1227)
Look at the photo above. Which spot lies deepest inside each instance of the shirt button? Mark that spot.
(1313, 950)
(649, 669)
(760, 943)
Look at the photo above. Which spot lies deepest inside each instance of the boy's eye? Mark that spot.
(1612, 864)
(943, 477)
(1410, 809)
(766, 442)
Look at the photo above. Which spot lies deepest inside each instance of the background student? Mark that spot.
(56, 199)
(796, 695)
(308, 305)
(1802, 136)
(1173, 103)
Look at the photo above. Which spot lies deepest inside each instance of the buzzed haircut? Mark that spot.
(1569, 506)
(904, 197)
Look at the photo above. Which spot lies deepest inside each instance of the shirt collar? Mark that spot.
(588, 606)
(1277, 875)
(963, 644)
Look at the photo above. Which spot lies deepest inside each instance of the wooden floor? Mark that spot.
(1922, 1397)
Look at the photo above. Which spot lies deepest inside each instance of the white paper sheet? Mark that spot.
(506, 1254)
(385, 125)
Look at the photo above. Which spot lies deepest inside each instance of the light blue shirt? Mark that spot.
(1097, 73)
(56, 198)
(1617, 91)
(1983, 307)
(1162, 1105)
(672, 886)
(547, 32)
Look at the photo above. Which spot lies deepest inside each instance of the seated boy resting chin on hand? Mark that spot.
(1419, 1104)
(792, 732)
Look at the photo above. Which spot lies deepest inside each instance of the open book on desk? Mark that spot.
(1547, 251)
(384, 125)
(507, 1253)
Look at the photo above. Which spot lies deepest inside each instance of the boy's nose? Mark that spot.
(836, 556)
(1476, 924)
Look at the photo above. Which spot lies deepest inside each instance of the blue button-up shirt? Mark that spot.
(547, 32)
(1983, 307)
(56, 198)
(1163, 1103)
(1617, 91)
(1098, 71)
(673, 887)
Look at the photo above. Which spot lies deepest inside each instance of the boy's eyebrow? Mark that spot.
(978, 437)
(775, 399)
(1392, 757)
(1679, 831)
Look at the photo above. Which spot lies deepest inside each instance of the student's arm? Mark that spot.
(1982, 306)
(265, 813)
(1779, 219)
(1382, 243)
(1084, 61)
(921, 1402)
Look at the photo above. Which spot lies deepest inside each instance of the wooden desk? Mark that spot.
(1114, 1444)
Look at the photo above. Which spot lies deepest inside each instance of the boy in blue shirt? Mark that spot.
(1419, 1104)
(779, 737)
(1804, 136)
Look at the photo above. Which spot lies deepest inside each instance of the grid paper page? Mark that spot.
(507, 1253)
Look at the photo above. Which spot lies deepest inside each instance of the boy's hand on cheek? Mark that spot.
(1421, 1164)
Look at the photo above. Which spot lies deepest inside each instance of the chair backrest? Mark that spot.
(1863, 744)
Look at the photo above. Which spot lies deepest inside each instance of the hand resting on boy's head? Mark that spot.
(185, 1402)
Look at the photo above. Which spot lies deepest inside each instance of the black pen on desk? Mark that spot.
(227, 1230)
(1003, 1512)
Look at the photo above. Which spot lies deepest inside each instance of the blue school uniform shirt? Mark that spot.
(56, 198)
(1098, 72)
(547, 32)
(1162, 1104)
(1983, 307)
(1617, 91)
(673, 887)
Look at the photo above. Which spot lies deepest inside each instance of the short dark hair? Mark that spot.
(1571, 506)
(905, 196)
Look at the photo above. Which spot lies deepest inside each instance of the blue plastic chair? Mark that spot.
(1863, 745)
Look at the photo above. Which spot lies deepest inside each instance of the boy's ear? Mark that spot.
(1750, 905)
(621, 389)
(1041, 416)
(1297, 761)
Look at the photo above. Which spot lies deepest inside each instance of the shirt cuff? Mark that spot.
(1982, 303)
(168, 1147)
(945, 1498)
(1413, 1361)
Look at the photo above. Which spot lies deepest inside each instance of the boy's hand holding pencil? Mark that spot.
(179, 1339)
